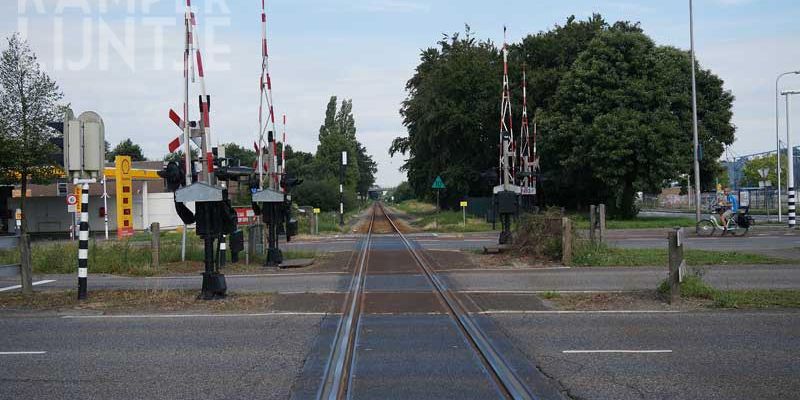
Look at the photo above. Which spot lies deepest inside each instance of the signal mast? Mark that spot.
(527, 154)
(197, 183)
(270, 198)
(506, 193)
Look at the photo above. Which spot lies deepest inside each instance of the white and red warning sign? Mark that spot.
(72, 203)
(245, 215)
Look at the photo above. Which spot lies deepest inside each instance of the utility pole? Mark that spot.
(694, 119)
(105, 206)
(342, 171)
(778, 140)
(790, 158)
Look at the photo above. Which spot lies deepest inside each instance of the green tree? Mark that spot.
(245, 156)
(618, 123)
(299, 163)
(29, 100)
(366, 171)
(402, 192)
(336, 135)
(548, 56)
(178, 156)
(126, 148)
(451, 114)
(750, 172)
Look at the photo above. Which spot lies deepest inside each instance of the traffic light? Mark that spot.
(289, 182)
(57, 157)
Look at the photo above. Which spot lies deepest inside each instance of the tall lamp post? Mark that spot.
(778, 140)
(697, 187)
(790, 155)
(342, 172)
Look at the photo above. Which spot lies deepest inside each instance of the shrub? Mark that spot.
(539, 235)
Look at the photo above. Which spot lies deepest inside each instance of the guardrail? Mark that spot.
(9, 243)
(23, 268)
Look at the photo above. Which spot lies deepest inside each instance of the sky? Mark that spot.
(123, 58)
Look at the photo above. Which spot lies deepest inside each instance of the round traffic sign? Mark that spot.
(72, 200)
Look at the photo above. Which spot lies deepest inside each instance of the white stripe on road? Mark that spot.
(20, 353)
(197, 315)
(503, 269)
(5, 289)
(615, 351)
(539, 291)
(229, 276)
(579, 312)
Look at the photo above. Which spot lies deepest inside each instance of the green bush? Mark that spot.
(539, 235)
(324, 194)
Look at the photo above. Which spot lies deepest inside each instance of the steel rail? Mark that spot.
(337, 370)
(506, 379)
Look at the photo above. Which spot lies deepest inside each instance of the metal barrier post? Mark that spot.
(676, 265)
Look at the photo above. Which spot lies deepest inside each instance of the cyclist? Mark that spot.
(732, 206)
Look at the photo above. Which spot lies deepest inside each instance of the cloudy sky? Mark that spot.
(122, 58)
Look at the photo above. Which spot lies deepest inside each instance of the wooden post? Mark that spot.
(601, 209)
(155, 244)
(251, 241)
(566, 241)
(592, 222)
(25, 265)
(675, 251)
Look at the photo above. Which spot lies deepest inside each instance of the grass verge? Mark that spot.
(129, 258)
(693, 287)
(582, 222)
(135, 300)
(425, 217)
(599, 255)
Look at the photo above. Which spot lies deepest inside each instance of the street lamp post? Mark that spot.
(697, 187)
(790, 161)
(778, 140)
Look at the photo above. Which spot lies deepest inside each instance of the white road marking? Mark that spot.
(538, 291)
(5, 289)
(615, 351)
(503, 269)
(272, 314)
(579, 312)
(21, 353)
(249, 275)
(313, 292)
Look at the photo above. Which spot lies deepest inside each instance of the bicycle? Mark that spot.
(737, 225)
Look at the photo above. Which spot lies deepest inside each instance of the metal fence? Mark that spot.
(759, 199)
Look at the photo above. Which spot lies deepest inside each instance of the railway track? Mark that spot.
(340, 381)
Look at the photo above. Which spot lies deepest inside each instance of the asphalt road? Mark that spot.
(154, 358)
(557, 279)
(770, 242)
(708, 355)
(705, 355)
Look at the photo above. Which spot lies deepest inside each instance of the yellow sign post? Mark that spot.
(77, 192)
(316, 220)
(464, 212)
(124, 188)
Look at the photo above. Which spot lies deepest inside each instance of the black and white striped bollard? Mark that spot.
(83, 243)
(792, 207)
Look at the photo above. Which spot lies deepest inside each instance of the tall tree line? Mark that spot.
(613, 111)
(320, 170)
